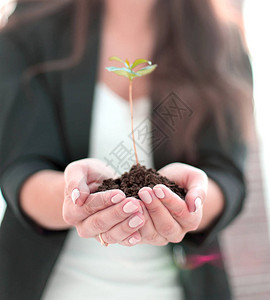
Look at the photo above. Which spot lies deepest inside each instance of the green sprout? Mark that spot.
(128, 72)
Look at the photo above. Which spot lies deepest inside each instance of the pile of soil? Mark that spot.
(137, 177)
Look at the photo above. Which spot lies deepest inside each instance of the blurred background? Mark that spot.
(247, 241)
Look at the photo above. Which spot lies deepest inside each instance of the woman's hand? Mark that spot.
(168, 217)
(108, 213)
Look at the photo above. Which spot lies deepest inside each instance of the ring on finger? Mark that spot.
(102, 242)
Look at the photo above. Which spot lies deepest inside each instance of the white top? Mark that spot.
(85, 269)
(111, 139)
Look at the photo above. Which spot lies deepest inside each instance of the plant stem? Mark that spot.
(131, 114)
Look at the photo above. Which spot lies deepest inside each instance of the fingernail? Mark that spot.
(75, 195)
(133, 241)
(146, 197)
(134, 222)
(130, 207)
(117, 198)
(198, 204)
(159, 193)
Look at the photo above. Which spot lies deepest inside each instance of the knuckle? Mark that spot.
(67, 170)
(177, 239)
(194, 227)
(99, 200)
(152, 237)
(82, 233)
(178, 213)
(153, 209)
(125, 229)
(108, 237)
(164, 243)
(168, 229)
(199, 172)
(117, 214)
(103, 198)
(98, 224)
(191, 225)
(202, 173)
(68, 217)
(88, 209)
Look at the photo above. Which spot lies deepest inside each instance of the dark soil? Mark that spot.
(137, 177)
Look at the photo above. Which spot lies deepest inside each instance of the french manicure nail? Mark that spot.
(146, 197)
(198, 204)
(75, 195)
(135, 221)
(117, 198)
(159, 193)
(133, 241)
(129, 207)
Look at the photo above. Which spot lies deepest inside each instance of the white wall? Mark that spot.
(257, 23)
(6, 8)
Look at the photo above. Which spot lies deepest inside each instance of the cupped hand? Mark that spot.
(168, 217)
(108, 213)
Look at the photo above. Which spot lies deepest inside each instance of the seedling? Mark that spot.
(138, 176)
(128, 72)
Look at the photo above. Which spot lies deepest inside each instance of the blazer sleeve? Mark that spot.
(30, 139)
(223, 162)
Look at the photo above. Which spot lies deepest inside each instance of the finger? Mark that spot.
(148, 232)
(123, 230)
(175, 205)
(162, 219)
(76, 183)
(107, 218)
(73, 214)
(178, 208)
(83, 176)
(132, 240)
(196, 191)
(192, 179)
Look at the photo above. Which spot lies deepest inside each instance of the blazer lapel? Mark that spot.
(78, 85)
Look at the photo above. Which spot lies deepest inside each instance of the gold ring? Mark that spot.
(103, 243)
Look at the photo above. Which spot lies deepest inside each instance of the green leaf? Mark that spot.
(116, 58)
(123, 72)
(146, 70)
(139, 62)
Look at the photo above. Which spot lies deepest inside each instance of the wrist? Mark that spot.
(41, 199)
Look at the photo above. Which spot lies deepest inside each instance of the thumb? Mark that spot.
(76, 183)
(195, 198)
(197, 185)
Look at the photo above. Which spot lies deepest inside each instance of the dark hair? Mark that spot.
(201, 58)
(201, 55)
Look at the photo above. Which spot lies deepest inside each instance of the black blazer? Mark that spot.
(51, 129)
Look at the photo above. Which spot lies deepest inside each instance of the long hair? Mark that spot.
(201, 54)
(201, 59)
